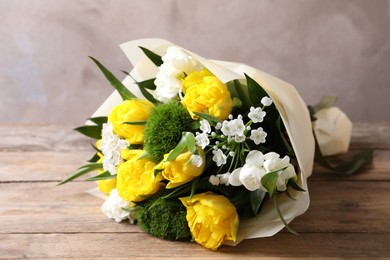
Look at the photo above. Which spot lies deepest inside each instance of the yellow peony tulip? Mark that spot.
(211, 218)
(133, 110)
(106, 186)
(181, 169)
(205, 93)
(136, 179)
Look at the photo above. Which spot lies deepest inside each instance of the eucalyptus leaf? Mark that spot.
(155, 58)
(117, 84)
(82, 171)
(103, 176)
(93, 131)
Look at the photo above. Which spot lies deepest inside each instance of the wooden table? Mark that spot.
(349, 216)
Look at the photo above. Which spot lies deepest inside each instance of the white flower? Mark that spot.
(219, 157)
(214, 180)
(238, 126)
(167, 87)
(234, 178)
(224, 178)
(176, 61)
(256, 114)
(227, 128)
(258, 136)
(239, 138)
(272, 162)
(111, 147)
(255, 158)
(266, 101)
(205, 126)
(113, 207)
(250, 177)
(196, 160)
(202, 140)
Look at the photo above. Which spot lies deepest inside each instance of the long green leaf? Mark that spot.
(256, 198)
(93, 131)
(255, 91)
(94, 158)
(99, 120)
(208, 117)
(178, 149)
(242, 95)
(82, 171)
(117, 84)
(135, 123)
(287, 144)
(190, 138)
(103, 176)
(155, 58)
(276, 205)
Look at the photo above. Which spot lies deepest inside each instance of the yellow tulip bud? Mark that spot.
(211, 218)
(133, 110)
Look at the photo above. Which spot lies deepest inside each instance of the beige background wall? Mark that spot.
(339, 47)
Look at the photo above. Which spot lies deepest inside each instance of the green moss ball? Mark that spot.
(166, 220)
(164, 127)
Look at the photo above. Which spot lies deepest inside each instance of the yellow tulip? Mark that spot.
(136, 179)
(211, 218)
(133, 110)
(106, 186)
(181, 169)
(205, 93)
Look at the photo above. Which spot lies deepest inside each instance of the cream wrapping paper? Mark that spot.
(293, 110)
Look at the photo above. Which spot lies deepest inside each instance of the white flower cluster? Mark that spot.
(114, 205)
(257, 165)
(176, 64)
(111, 147)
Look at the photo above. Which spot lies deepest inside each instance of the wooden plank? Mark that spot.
(43, 207)
(136, 246)
(57, 165)
(50, 137)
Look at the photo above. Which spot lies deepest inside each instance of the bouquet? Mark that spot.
(203, 150)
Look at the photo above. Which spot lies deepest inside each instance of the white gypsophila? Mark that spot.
(202, 140)
(256, 114)
(238, 126)
(227, 128)
(196, 160)
(167, 87)
(266, 101)
(214, 180)
(205, 126)
(111, 146)
(273, 162)
(113, 207)
(258, 136)
(219, 157)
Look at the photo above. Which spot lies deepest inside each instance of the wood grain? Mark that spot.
(348, 216)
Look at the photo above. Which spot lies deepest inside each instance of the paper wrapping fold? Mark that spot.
(293, 110)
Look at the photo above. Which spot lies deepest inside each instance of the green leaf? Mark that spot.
(147, 95)
(255, 91)
(82, 171)
(155, 58)
(256, 198)
(237, 89)
(94, 158)
(117, 84)
(269, 181)
(276, 205)
(178, 149)
(193, 186)
(359, 161)
(326, 101)
(148, 84)
(103, 176)
(135, 123)
(146, 156)
(99, 120)
(190, 138)
(208, 117)
(287, 144)
(93, 131)
(294, 185)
